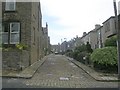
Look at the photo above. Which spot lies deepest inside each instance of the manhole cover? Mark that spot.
(64, 78)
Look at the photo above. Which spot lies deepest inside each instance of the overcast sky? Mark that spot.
(68, 18)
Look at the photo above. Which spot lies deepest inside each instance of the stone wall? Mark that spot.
(28, 14)
(15, 60)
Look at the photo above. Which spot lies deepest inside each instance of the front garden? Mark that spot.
(101, 59)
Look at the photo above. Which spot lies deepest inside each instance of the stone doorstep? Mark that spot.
(97, 76)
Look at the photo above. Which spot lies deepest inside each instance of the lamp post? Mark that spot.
(118, 36)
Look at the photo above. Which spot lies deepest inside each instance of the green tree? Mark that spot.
(111, 41)
(88, 48)
(81, 48)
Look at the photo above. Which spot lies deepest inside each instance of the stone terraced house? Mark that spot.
(21, 27)
(98, 36)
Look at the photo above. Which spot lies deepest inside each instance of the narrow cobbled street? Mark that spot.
(57, 72)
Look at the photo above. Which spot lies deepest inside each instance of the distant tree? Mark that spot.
(81, 52)
(88, 48)
(81, 48)
(68, 51)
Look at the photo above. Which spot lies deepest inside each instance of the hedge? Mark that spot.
(105, 56)
(112, 41)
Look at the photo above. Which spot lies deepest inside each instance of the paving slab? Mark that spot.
(96, 75)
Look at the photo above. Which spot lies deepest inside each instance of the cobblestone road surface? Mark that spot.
(57, 72)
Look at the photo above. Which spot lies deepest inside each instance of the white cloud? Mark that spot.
(77, 15)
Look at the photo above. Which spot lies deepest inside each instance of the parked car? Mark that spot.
(56, 52)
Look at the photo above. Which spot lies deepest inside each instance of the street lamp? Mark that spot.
(118, 36)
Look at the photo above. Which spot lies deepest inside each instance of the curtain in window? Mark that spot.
(5, 37)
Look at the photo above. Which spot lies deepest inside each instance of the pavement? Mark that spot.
(96, 75)
(31, 70)
(26, 73)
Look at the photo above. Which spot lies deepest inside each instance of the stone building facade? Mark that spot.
(21, 24)
(98, 36)
(109, 28)
(55, 48)
(85, 38)
(95, 37)
(0, 22)
(46, 38)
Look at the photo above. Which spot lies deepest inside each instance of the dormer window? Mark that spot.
(10, 5)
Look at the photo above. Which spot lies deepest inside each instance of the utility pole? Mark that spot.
(118, 36)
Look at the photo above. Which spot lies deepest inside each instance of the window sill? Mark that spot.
(10, 11)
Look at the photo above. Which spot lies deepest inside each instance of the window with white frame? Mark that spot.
(14, 33)
(11, 33)
(5, 33)
(10, 5)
